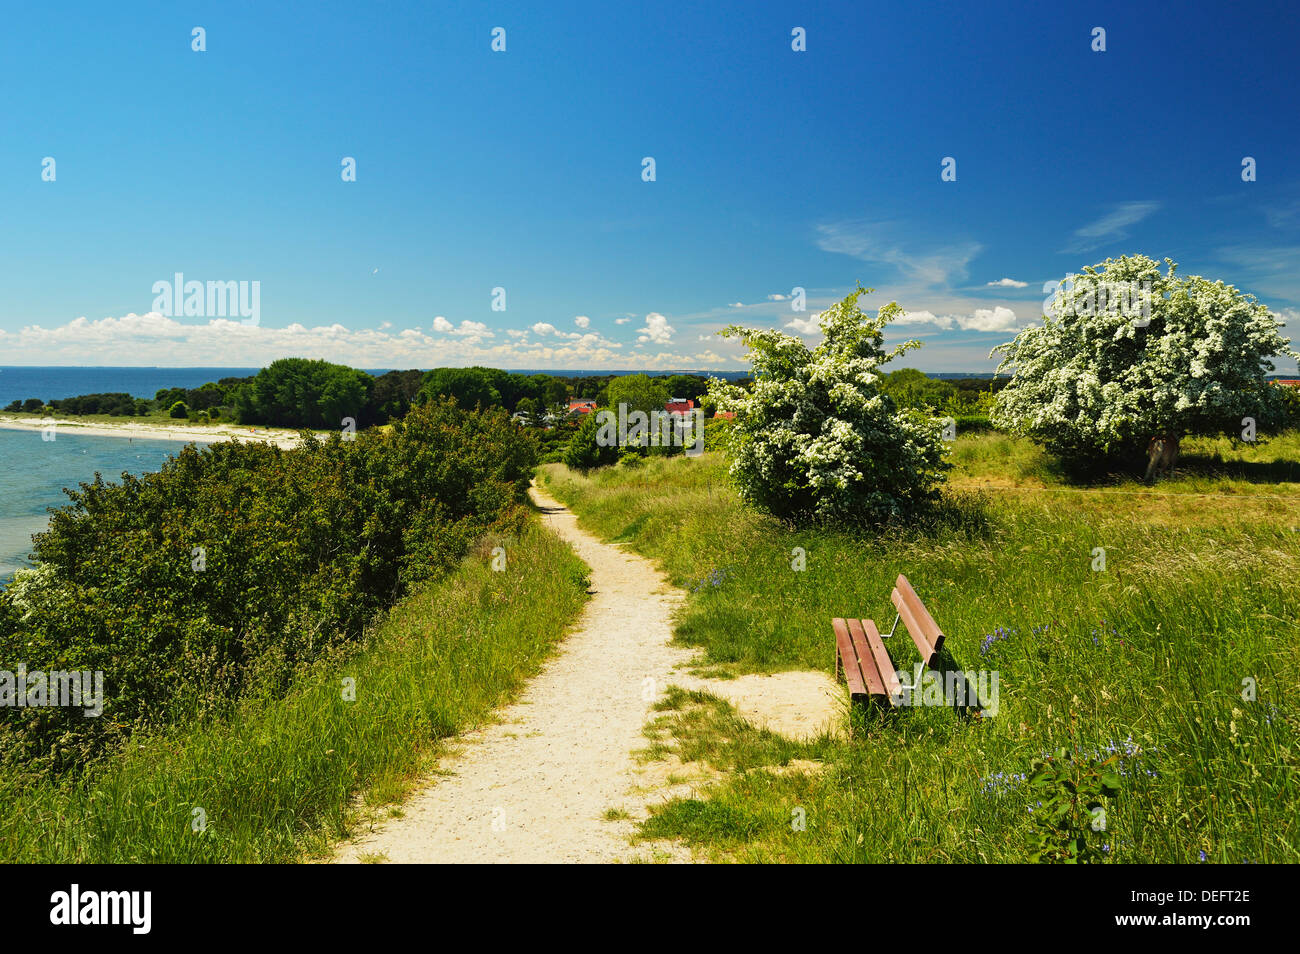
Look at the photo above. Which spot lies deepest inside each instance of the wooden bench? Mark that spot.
(860, 654)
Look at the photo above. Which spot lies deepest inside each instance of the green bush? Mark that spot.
(585, 451)
(178, 410)
(235, 565)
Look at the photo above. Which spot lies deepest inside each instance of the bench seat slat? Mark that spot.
(875, 684)
(848, 659)
(884, 665)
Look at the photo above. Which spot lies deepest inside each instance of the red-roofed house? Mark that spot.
(581, 405)
(681, 407)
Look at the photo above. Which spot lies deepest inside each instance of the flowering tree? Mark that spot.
(1130, 356)
(816, 439)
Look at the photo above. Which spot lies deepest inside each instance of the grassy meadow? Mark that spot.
(286, 775)
(1143, 667)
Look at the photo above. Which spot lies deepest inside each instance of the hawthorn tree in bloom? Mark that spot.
(1128, 355)
(816, 440)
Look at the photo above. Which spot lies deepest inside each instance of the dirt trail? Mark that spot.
(534, 787)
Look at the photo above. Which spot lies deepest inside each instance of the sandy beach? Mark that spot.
(199, 434)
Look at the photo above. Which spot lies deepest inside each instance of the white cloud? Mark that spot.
(545, 328)
(924, 318)
(737, 304)
(1008, 283)
(1111, 227)
(582, 321)
(805, 326)
(656, 329)
(998, 318)
(621, 321)
(153, 339)
(990, 319)
(776, 297)
(466, 329)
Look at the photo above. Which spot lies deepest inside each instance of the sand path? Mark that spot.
(534, 787)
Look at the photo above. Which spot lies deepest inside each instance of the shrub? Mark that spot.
(235, 565)
(585, 451)
(816, 439)
(179, 410)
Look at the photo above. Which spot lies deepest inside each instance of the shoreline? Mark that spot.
(186, 433)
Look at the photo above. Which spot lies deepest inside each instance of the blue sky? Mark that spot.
(522, 170)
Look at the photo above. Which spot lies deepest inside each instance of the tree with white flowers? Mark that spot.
(816, 440)
(1128, 357)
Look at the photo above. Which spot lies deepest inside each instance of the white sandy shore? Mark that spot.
(206, 434)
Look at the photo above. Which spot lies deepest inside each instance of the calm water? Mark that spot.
(34, 472)
(50, 384)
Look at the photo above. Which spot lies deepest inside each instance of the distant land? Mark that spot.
(55, 382)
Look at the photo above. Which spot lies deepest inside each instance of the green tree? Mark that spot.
(528, 408)
(471, 387)
(391, 396)
(638, 392)
(585, 449)
(178, 410)
(914, 389)
(297, 392)
(687, 386)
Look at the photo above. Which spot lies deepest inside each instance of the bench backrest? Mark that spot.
(920, 624)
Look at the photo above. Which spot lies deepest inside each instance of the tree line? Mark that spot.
(301, 392)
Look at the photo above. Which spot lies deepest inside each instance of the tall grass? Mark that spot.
(277, 782)
(1148, 657)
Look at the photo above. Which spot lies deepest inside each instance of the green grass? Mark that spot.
(1199, 593)
(278, 782)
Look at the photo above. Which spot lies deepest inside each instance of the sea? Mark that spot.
(33, 473)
